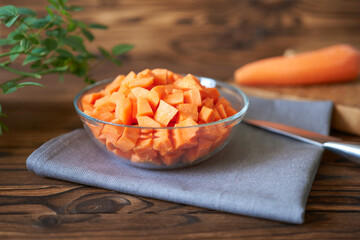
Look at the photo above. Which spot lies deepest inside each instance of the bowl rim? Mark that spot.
(239, 115)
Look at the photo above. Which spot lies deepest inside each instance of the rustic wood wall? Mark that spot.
(214, 37)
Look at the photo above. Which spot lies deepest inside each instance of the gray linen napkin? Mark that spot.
(258, 173)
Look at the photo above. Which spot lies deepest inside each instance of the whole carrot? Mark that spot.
(338, 63)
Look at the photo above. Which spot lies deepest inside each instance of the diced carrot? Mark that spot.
(141, 82)
(129, 78)
(102, 114)
(124, 89)
(209, 132)
(208, 102)
(176, 76)
(145, 121)
(128, 139)
(134, 110)
(161, 76)
(112, 132)
(212, 93)
(144, 108)
(206, 114)
(165, 113)
(337, 63)
(101, 101)
(145, 73)
(230, 111)
(223, 101)
(95, 128)
(162, 142)
(189, 82)
(172, 158)
(115, 96)
(174, 98)
(89, 99)
(221, 110)
(144, 149)
(154, 96)
(192, 96)
(168, 88)
(123, 111)
(140, 92)
(199, 151)
(114, 85)
(126, 155)
(223, 135)
(188, 110)
(185, 137)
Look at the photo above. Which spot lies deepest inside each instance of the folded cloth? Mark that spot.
(258, 173)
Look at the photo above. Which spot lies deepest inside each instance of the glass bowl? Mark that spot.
(203, 140)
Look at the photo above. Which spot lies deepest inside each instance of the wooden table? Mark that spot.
(211, 43)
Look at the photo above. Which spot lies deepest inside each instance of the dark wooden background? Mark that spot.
(204, 37)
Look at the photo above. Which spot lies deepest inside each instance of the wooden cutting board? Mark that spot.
(346, 98)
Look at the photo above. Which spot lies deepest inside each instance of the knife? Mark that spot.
(349, 150)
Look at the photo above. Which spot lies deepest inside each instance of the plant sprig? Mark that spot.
(54, 43)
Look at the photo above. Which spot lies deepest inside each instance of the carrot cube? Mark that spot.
(230, 111)
(123, 110)
(129, 78)
(221, 110)
(114, 85)
(172, 158)
(144, 149)
(208, 102)
(128, 139)
(145, 121)
(203, 148)
(141, 82)
(165, 113)
(206, 114)
(112, 132)
(212, 93)
(174, 98)
(140, 92)
(192, 96)
(161, 76)
(144, 108)
(188, 110)
(189, 82)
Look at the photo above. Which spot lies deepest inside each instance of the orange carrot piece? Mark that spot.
(96, 128)
(223, 101)
(209, 132)
(189, 82)
(161, 76)
(102, 114)
(230, 111)
(91, 98)
(172, 158)
(174, 98)
(192, 96)
(128, 139)
(141, 82)
(164, 113)
(208, 102)
(163, 145)
(200, 150)
(206, 114)
(144, 108)
(185, 137)
(217, 115)
(129, 78)
(114, 85)
(144, 149)
(112, 132)
(188, 110)
(155, 95)
(123, 110)
(145, 121)
(221, 110)
(212, 93)
(145, 74)
(126, 155)
(140, 92)
(337, 63)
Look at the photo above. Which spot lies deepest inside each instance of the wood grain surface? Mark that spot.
(210, 38)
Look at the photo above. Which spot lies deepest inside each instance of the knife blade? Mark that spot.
(349, 150)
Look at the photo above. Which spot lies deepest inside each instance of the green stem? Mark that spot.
(13, 70)
(10, 53)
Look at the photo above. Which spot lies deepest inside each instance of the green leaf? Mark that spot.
(87, 34)
(71, 26)
(9, 87)
(64, 53)
(75, 8)
(54, 4)
(18, 36)
(23, 84)
(50, 44)
(6, 41)
(57, 33)
(26, 11)
(40, 23)
(104, 52)
(31, 58)
(39, 51)
(25, 44)
(75, 42)
(98, 26)
(34, 40)
(11, 20)
(15, 49)
(121, 49)
(8, 11)
(50, 12)
(56, 69)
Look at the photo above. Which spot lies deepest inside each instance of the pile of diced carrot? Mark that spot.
(158, 98)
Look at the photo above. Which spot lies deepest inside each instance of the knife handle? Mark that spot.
(349, 150)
